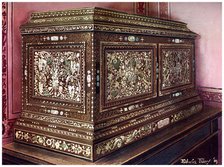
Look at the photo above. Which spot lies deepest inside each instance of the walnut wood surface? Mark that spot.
(134, 151)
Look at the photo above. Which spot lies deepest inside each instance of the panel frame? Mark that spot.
(53, 103)
(125, 46)
(175, 88)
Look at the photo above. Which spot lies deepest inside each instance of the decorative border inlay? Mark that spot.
(145, 118)
(62, 121)
(54, 130)
(99, 14)
(186, 113)
(60, 109)
(61, 19)
(136, 113)
(131, 38)
(50, 29)
(148, 31)
(131, 21)
(74, 148)
(107, 28)
(117, 142)
(54, 38)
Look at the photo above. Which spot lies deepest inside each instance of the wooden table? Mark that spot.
(173, 145)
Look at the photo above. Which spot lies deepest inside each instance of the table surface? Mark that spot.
(124, 155)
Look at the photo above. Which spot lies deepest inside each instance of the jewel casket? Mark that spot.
(96, 80)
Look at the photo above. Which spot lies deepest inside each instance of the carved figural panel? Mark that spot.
(129, 71)
(175, 67)
(57, 73)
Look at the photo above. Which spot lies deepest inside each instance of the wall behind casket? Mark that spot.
(206, 20)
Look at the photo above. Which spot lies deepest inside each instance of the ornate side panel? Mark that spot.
(55, 71)
(128, 72)
(57, 74)
(57, 93)
(176, 67)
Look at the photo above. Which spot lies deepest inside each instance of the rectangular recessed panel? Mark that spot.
(128, 72)
(57, 74)
(175, 67)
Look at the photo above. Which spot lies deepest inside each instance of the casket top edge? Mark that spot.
(98, 17)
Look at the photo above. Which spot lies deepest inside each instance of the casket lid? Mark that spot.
(100, 19)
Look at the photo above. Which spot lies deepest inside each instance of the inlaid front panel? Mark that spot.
(175, 67)
(57, 75)
(129, 72)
